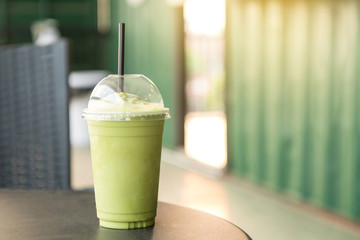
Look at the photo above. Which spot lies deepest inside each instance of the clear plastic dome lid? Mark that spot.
(124, 98)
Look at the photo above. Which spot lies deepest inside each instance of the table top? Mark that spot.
(50, 215)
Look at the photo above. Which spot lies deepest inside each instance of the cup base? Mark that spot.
(127, 225)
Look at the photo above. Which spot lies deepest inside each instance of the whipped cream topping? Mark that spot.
(123, 102)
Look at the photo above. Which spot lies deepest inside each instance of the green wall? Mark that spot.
(153, 47)
(293, 94)
(154, 42)
(77, 22)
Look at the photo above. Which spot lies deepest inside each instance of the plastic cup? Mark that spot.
(125, 130)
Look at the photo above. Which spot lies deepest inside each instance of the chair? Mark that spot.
(34, 117)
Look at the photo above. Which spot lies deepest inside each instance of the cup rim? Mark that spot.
(125, 116)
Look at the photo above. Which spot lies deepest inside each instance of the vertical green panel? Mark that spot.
(262, 95)
(3, 21)
(308, 100)
(295, 75)
(236, 89)
(81, 12)
(285, 106)
(335, 84)
(320, 60)
(20, 15)
(251, 65)
(152, 42)
(347, 28)
(252, 75)
(355, 206)
(272, 70)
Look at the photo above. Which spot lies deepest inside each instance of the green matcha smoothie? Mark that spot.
(125, 131)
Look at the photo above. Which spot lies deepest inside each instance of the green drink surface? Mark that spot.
(126, 163)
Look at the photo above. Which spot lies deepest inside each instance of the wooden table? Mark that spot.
(58, 215)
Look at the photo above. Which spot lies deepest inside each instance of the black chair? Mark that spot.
(34, 117)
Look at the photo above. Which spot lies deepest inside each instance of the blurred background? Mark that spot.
(262, 95)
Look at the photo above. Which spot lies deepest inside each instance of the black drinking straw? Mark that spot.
(121, 51)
